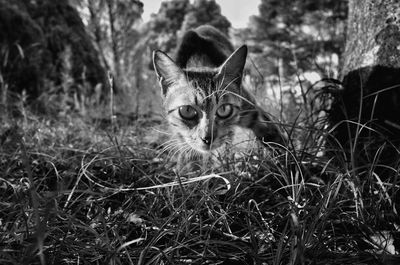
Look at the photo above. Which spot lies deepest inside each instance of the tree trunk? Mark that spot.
(372, 34)
(95, 9)
(365, 115)
(114, 38)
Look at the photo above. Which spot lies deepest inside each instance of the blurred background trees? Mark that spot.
(62, 50)
(164, 26)
(294, 44)
(177, 16)
(114, 27)
(45, 51)
(205, 12)
(305, 35)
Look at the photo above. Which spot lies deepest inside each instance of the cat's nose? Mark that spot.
(207, 139)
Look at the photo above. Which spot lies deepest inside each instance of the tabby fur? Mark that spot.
(204, 99)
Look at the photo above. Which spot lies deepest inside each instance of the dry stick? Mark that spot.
(111, 86)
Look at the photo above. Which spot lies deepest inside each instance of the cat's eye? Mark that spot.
(225, 111)
(187, 112)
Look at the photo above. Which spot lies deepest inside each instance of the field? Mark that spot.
(84, 191)
(88, 176)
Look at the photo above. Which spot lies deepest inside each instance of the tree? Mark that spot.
(21, 50)
(206, 12)
(113, 26)
(167, 22)
(177, 16)
(305, 35)
(123, 15)
(366, 33)
(365, 114)
(46, 51)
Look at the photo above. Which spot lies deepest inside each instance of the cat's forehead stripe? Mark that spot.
(201, 88)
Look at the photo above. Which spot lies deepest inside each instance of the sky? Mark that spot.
(237, 11)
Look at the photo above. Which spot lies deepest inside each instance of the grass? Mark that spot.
(74, 191)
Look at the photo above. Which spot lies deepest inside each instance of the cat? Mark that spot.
(203, 96)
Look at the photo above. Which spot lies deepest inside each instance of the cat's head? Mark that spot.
(202, 104)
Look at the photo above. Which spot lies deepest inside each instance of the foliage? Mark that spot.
(305, 36)
(117, 31)
(21, 42)
(167, 22)
(113, 26)
(35, 36)
(178, 16)
(206, 12)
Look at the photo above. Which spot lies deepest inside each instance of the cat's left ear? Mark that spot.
(233, 66)
(168, 73)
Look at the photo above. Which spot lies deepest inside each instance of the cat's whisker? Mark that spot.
(174, 143)
(209, 96)
(167, 148)
(210, 83)
(171, 153)
(230, 83)
(241, 97)
(225, 91)
(222, 81)
(189, 151)
(169, 143)
(193, 154)
(180, 150)
(190, 154)
(215, 94)
(161, 131)
(179, 145)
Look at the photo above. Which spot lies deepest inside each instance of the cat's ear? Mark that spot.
(233, 66)
(168, 73)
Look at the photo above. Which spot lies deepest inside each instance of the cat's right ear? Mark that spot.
(168, 73)
(233, 66)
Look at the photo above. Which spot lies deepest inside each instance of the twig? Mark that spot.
(111, 86)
